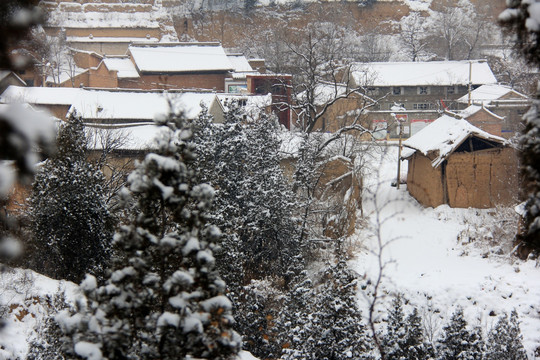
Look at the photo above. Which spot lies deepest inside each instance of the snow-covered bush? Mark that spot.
(71, 224)
(491, 231)
(163, 298)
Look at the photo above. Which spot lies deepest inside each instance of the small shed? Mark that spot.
(453, 162)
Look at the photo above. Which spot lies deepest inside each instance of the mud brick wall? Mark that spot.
(425, 182)
(482, 179)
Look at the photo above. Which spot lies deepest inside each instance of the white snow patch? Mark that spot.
(88, 350)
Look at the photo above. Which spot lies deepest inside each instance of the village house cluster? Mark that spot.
(119, 64)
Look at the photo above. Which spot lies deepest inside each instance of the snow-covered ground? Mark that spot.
(425, 261)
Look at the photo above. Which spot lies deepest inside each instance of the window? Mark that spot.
(371, 91)
(423, 90)
(396, 90)
(450, 90)
(422, 106)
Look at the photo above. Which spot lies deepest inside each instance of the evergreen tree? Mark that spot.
(254, 203)
(163, 298)
(72, 226)
(505, 340)
(254, 209)
(459, 343)
(330, 326)
(404, 338)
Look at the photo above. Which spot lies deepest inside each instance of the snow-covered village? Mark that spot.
(269, 179)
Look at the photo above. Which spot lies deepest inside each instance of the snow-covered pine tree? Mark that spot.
(395, 337)
(163, 298)
(417, 346)
(71, 224)
(254, 205)
(254, 202)
(330, 326)
(404, 338)
(459, 343)
(505, 340)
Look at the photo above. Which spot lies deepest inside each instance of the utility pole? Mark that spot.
(470, 82)
(399, 154)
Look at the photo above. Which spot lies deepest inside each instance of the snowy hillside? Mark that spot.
(436, 272)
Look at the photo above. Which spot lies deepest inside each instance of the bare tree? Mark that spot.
(459, 30)
(413, 36)
(106, 143)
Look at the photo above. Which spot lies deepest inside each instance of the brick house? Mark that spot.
(503, 101)
(420, 90)
(279, 86)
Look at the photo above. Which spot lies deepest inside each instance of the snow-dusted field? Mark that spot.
(424, 260)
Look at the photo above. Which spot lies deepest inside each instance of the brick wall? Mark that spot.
(487, 122)
(178, 81)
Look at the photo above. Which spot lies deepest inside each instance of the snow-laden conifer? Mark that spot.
(329, 325)
(505, 340)
(71, 224)
(254, 209)
(458, 342)
(163, 298)
(254, 202)
(403, 338)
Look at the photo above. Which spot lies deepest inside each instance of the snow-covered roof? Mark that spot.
(109, 39)
(239, 63)
(134, 136)
(123, 65)
(487, 93)
(422, 73)
(6, 73)
(180, 57)
(40, 95)
(443, 136)
(473, 109)
(111, 106)
(254, 104)
(190, 103)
